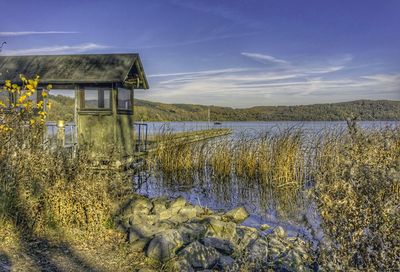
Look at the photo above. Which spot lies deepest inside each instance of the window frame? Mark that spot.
(124, 110)
(100, 99)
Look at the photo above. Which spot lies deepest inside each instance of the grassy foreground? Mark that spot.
(56, 213)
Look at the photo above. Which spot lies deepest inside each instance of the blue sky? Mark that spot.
(237, 53)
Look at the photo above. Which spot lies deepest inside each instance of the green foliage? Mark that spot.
(363, 109)
(62, 108)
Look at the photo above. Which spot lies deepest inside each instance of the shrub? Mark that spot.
(357, 191)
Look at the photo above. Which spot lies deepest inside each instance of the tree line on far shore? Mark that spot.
(367, 110)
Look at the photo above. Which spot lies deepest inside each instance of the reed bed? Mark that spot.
(266, 162)
(351, 175)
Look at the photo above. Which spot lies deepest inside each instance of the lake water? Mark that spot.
(206, 190)
(257, 127)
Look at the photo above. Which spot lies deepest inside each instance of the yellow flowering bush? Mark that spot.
(21, 107)
(44, 189)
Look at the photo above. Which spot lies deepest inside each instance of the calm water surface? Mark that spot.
(257, 127)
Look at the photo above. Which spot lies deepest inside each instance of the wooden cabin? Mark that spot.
(104, 87)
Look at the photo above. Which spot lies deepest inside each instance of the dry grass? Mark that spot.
(273, 163)
(56, 211)
(354, 176)
(357, 175)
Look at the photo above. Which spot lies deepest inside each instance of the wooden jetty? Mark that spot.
(182, 137)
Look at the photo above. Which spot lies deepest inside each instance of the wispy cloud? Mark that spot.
(196, 41)
(206, 72)
(57, 49)
(218, 9)
(303, 83)
(25, 33)
(264, 58)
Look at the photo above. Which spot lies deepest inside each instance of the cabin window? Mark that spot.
(97, 99)
(124, 99)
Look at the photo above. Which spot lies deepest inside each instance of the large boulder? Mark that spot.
(226, 263)
(258, 250)
(200, 256)
(188, 212)
(176, 204)
(246, 235)
(192, 231)
(163, 246)
(136, 208)
(277, 247)
(223, 246)
(140, 232)
(220, 229)
(179, 264)
(139, 205)
(237, 215)
(159, 205)
(280, 232)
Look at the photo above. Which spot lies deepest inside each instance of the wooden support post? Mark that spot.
(61, 133)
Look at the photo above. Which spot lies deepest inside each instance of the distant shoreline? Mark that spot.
(148, 111)
(362, 110)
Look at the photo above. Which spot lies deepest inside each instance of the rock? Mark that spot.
(159, 205)
(237, 215)
(200, 211)
(258, 250)
(179, 264)
(142, 218)
(179, 218)
(146, 270)
(139, 245)
(141, 205)
(276, 247)
(165, 214)
(161, 226)
(225, 262)
(220, 229)
(275, 244)
(140, 232)
(192, 231)
(223, 246)
(280, 232)
(264, 227)
(163, 246)
(200, 256)
(212, 216)
(292, 262)
(177, 203)
(188, 211)
(246, 235)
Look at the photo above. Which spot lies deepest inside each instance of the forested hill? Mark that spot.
(362, 109)
(62, 108)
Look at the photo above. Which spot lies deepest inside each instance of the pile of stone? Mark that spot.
(191, 238)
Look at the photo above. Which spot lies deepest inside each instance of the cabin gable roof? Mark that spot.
(125, 69)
